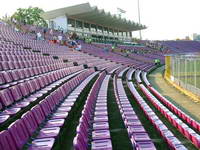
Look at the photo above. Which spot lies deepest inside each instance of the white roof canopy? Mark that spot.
(94, 15)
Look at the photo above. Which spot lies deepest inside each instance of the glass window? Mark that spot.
(71, 22)
(79, 24)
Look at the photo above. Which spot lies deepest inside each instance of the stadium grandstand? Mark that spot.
(91, 21)
(82, 84)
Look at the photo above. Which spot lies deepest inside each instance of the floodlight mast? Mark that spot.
(139, 19)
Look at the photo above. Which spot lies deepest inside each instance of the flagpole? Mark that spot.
(139, 19)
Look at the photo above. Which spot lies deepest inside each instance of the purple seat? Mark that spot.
(6, 99)
(67, 104)
(29, 123)
(15, 75)
(7, 76)
(140, 137)
(18, 133)
(80, 142)
(135, 129)
(101, 113)
(100, 126)
(24, 89)
(5, 65)
(101, 119)
(6, 142)
(173, 141)
(51, 132)
(42, 144)
(21, 74)
(55, 123)
(100, 134)
(63, 109)
(132, 122)
(147, 145)
(16, 94)
(60, 115)
(102, 145)
(3, 118)
(2, 80)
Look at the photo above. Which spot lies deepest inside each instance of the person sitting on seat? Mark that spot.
(78, 47)
(59, 39)
(39, 36)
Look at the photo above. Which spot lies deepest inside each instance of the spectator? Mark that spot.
(54, 39)
(78, 48)
(45, 31)
(59, 37)
(73, 43)
(39, 36)
(113, 47)
(51, 32)
(16, 29)
(90, 40)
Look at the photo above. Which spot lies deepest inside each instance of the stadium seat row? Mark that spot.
(43, 122)
(13, 99)
(178, 123)
(172, 141)
(137, 134)
(94, 119)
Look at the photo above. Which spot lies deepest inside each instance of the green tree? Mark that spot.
(30, 16)
(5, 18)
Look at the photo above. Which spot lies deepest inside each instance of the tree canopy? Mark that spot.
(30, 16)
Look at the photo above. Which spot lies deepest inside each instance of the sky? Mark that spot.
(165, 19)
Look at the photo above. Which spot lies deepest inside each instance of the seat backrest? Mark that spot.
(2, 80)
(6, 98)
(24, 89)
(62, 91)
(36, 84)
(16, 93)
(56, 97)
(78, 143)
(29, 122)
(5, 65)
(27, 73)
(8, 78)
(21, 74)
(38, 114)
(41, 82)
(17, 134)
(6, 141)
(45, 107)
(31, 86)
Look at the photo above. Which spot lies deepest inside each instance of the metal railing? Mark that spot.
(185, 72)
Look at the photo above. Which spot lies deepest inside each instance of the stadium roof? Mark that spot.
(94, 15)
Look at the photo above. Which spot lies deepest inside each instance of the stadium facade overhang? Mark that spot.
(104, 23)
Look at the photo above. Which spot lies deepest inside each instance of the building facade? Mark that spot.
(89, 21)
